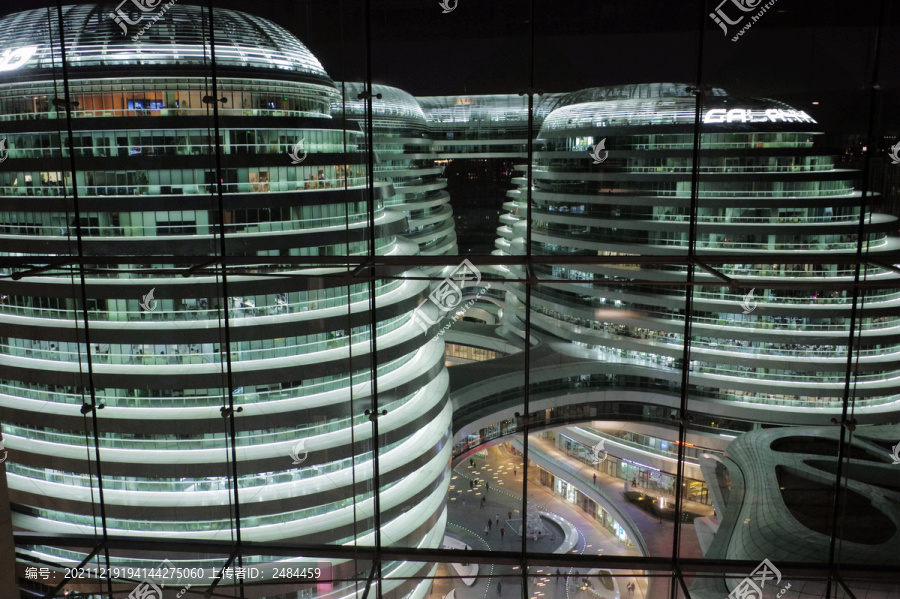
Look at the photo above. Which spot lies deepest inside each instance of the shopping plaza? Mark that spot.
(245, 352)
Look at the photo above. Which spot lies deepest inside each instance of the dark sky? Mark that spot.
(799, 51)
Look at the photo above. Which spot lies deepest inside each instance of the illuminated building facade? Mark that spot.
(404, 159)
(763, 189)
(132, 390)
(223, 411)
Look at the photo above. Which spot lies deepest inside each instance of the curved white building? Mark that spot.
(300, 343)
(404, 159)
(764, 187)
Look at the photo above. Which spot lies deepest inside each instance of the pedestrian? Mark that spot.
(487, 530)
(499, 587)
(633, 481)
(502, 532)
(515, 471)
(595, 480)
(557, 575)
(487, 486)
(482, 502)
(509, 514)
(471, 484)
(464, 504)
(497, 518)
(489, 523)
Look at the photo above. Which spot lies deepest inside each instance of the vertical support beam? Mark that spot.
(7, 545)
(683, 418)
(228, 409)
(854, 341)
(526, 410)
(87, 408)
(373, 306)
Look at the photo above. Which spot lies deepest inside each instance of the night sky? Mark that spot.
(799, 51)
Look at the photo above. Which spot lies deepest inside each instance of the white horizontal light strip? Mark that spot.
(391, 497)
(428, 436)
(421, 401)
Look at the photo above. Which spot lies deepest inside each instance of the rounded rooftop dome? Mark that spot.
(101, 35)
(675, 108)
(394, 102)
(637, 91)
(485, 109)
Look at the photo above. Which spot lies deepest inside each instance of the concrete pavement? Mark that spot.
(502, 493)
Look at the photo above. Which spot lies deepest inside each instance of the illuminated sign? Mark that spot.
(741, 115)
(13, 59)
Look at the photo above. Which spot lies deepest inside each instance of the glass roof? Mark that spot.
(178, 36)
(393, 102)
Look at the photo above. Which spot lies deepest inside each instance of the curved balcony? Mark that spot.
(303, 344)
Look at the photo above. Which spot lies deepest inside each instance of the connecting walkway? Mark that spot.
(572, 382)
(655, 534)
(502, 470)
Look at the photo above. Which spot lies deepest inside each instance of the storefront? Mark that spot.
(646, 477)
(588, 505)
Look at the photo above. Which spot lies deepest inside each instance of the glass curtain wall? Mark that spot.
(312, 299)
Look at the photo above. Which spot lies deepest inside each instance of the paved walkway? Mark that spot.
(657, 533)
(502, 473)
